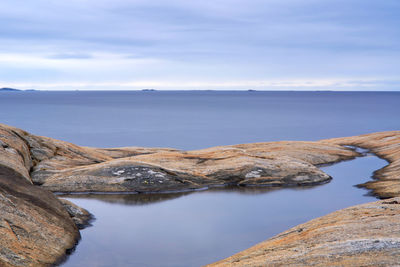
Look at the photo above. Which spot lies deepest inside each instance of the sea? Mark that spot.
(193, 229)
(197, 119)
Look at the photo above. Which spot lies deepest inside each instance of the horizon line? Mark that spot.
(149, 90)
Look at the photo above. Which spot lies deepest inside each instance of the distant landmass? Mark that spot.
(7, 89)
(149, 90)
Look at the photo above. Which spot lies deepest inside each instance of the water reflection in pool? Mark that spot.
(192, 229)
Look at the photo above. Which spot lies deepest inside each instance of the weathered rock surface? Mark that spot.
(80, 216)
(35, 229)
(364, 235)
(385, 145)
(64, 167)
(14, 152)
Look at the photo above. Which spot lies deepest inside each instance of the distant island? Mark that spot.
(7, 89)
(149, 90)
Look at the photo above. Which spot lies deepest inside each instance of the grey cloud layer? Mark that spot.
(269, 38)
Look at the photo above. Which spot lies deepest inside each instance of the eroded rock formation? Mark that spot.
(385, 145)
(363, 235)
(63, 167)
(37, 228)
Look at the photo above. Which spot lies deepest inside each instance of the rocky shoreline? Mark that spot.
(39, 228)
(363, 235)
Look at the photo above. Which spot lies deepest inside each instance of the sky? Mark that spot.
(206, 45)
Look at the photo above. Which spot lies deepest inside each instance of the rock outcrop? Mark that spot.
(37, 228)
(385, 145)
(63, 167)
(80, 216)
(364, 235)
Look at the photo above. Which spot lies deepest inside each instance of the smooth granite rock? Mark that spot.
(385, 145)
(37, 228)
(63, 167)
(363, 235)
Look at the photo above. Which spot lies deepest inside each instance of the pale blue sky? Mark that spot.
(219, 44)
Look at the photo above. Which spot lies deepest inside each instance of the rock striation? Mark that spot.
(37, 228)
(63, 167)
(364, 235)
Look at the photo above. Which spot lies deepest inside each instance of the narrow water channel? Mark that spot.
(197, 228)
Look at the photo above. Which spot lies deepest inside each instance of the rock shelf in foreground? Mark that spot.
(363, 235)
(37, 228)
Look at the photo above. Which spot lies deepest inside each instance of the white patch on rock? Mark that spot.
(118, 180)
(253, 174)
(300, 178)
(118, 172)
(156, 174)
(10, 150)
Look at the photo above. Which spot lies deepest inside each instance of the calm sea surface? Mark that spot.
(197, 228)
(193, 120)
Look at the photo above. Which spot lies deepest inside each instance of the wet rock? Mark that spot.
(81, 217)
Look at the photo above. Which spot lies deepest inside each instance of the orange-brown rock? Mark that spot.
(64, 167)
(363, 235)
(385, 145)
(35, 228)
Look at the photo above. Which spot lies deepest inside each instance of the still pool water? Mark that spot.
(202, 227)
(193, 229)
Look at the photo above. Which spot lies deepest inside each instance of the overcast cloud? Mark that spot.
(219, 44)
